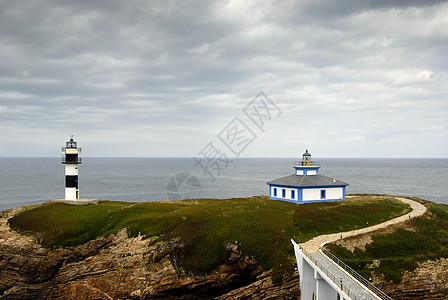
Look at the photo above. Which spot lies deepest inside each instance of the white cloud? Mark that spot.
(164, 78)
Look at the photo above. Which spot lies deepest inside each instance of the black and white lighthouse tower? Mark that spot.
(71, 160)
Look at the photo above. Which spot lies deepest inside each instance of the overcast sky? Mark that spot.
(166, 78)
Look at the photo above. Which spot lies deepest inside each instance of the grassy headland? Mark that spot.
(421, 239)
(262, 226)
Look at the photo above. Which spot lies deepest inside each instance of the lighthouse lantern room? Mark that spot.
(71, 160)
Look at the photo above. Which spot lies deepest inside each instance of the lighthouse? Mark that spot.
(306, 184)
(71, 160)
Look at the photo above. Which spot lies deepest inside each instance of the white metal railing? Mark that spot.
(356, 275)
(334, 278)
(68, 149)
(314, 164)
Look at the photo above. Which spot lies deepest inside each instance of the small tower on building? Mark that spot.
(71, 160)
(306, 166)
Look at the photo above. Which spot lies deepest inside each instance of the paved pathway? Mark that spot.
(352, 287)
(418, 209)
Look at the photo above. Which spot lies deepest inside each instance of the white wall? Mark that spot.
(335, 193)
(308, 172)
(287, 195)
(70, 193)
(314, 194)
(71, 169)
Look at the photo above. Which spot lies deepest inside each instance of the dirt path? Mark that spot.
(312, 245)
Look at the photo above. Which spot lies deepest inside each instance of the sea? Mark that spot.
(28, 181)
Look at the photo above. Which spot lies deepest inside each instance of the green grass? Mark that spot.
(312, 220)
(262, 226)
(402, 249)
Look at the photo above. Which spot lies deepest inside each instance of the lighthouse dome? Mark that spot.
(306, 155)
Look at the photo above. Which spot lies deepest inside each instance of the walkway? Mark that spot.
(345, 281)
(312, 246)
(353, 288)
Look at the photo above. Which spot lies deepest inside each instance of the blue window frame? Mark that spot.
(323, 194)
(293, 194)
(275, 192)
(283, 193)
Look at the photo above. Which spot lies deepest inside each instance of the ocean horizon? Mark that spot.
(33, 180)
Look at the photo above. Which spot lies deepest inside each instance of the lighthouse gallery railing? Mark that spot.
(77, 160)
(299, 164)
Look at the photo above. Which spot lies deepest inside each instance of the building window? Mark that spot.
(293, 194)
(283, 193)
(322, 194)
(275, 192)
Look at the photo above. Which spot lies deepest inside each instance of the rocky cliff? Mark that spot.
(119, 267)
(428, 281)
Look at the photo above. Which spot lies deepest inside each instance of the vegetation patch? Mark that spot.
(401, 250)
(323, 218)
(263, 227)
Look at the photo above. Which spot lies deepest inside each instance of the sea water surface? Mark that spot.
(27, 181)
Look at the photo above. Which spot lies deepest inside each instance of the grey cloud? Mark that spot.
(122, 65)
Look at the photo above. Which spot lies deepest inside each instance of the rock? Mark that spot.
(428, 281)
(264, 288)
(119, 267)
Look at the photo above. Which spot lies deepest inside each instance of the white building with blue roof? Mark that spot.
(307, 185)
